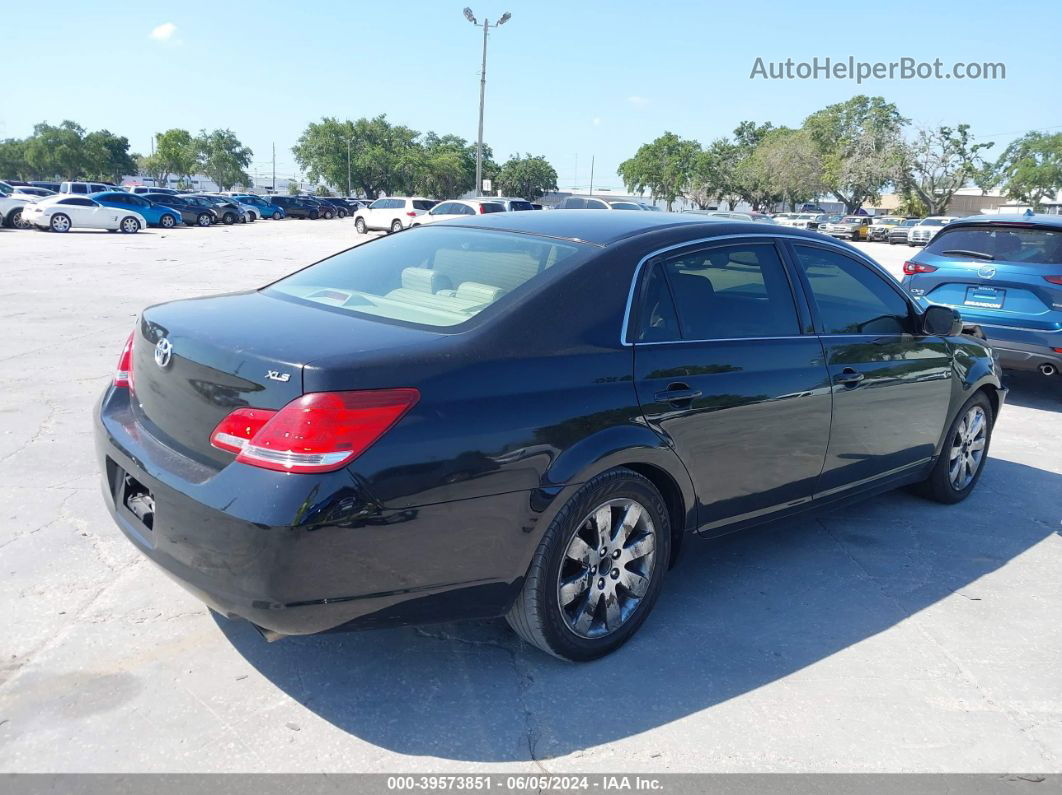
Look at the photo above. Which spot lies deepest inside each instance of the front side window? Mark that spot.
(730, 292)
(850, 297)
(438, 277)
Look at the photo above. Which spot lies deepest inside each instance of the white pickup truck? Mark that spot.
(10, 205)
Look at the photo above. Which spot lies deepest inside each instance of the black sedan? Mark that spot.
(193, 213)
(524, 415)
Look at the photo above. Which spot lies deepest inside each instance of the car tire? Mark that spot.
(342, 213)
(203, 219)
(277, 216)
(314, 215)
(60, 222)
(14, 219)
(167, 221)
(964, 453)
(396, 225)
(359, 225)
(565, 564)
(329, 215)
(129, 225)
(228, 219)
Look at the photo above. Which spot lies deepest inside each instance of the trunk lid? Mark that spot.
(238, 350)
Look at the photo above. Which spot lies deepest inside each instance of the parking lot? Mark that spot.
(895, 635)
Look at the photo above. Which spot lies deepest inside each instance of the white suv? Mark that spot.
(85, 187)
(393, 214)
(11, 206)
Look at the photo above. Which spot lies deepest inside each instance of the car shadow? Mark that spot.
(1034, 391)
(737, 613)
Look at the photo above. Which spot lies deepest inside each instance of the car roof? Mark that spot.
(1053, 221)
(604, 227)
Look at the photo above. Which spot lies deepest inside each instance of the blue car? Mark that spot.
(266, 207)
(1004, 274)
(154, 214)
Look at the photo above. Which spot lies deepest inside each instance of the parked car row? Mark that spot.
(97, 205)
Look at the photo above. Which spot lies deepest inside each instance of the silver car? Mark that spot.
(927, 228)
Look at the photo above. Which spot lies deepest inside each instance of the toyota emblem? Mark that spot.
(163, 352)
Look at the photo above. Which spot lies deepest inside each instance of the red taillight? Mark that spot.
(411, 214)
(481, 210)
(318, 432)
(123, 376)
(238, 428)
(1054, 279)
(911, 268)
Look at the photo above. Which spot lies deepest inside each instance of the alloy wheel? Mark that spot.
(60, 223)
(967, 448)
(167, 222)
(607, 568)
(130, 225)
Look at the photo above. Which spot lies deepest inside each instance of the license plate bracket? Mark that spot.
(985, 297)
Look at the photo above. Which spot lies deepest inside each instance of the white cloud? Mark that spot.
(638, 102)
(163, 32)
(597, 121)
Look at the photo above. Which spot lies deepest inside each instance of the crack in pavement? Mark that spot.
(524, 680)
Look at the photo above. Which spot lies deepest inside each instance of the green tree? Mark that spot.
(938, 162)
(323, 190)
(529, 177)
(56, 151)
(106, 156)
(380, 154)
(443, 166)
(13, 159)
(713, 177)
(860, 145)
(177, 153)
(1030, 169)
(663, 167)
(789, 166)
(294, 188)
(224, 158)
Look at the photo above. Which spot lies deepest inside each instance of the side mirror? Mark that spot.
(941, 321)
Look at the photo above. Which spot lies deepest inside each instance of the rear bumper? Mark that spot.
(300, 554)
(1014, 355)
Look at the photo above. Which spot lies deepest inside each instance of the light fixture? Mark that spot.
(505, 18)
(470, 16)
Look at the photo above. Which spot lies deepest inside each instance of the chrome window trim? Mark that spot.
(828, 242)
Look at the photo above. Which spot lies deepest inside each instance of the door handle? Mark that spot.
(849, 377)
(677, 394)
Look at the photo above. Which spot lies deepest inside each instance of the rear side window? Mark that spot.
(514, 206)
(851, 298)
(730, 292)
(77, 187)
(423, 204)
(1005, 244)
(438, 277)
(657, 320)
(79, 202)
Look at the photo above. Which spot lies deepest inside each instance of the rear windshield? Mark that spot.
(521, 206)
(430, 276)
(423, 204)
(492, 207)
(1034, 246)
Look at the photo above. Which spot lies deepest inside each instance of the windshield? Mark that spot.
(432, 276)
(910, 222)
(5, 189)
(933, 222)
(852, 219)
(1034, 246)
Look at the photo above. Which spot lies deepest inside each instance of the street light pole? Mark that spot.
(483, 90)
(351, 138)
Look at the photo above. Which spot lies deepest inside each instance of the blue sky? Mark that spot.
(566, 80)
